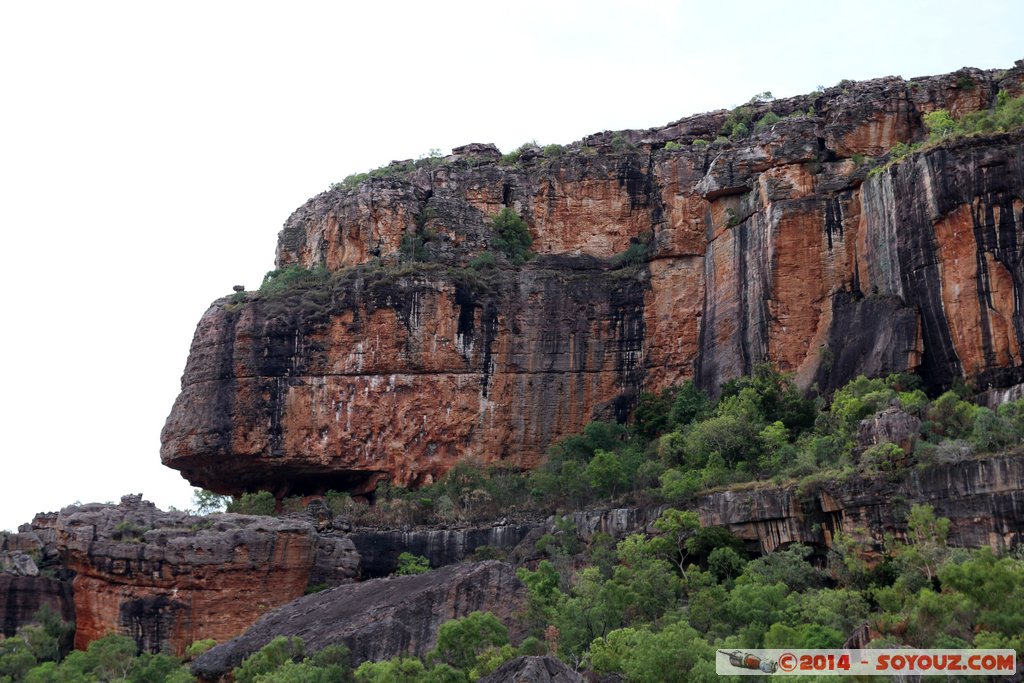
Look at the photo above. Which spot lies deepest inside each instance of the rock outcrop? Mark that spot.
(31, 578)
(533, 670)
(168, 578)
(379, 549)
(983, 498)
(381, 618)
(661, 256)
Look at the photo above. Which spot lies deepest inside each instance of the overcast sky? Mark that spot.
(150, 152)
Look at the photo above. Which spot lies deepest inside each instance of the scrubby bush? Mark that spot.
(512, 236)
(412, 564)
(259, 503)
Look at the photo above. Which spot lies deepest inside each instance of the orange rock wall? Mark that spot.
(776, 248)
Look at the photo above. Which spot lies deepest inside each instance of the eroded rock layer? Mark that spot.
(169, 578)
(662, 254)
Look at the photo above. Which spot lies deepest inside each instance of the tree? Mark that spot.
(461, 641)
(676, 653)
(926, 540)
(605, 473)
(269, 658)
(940, 124)
(206, 502)
(259, 503)
(512, 236)
(677, 526)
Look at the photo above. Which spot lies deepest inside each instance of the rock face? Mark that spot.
(982, 498)
(30, 578)
(660, 257)
(380, 618)
(379, 550)
(533, 670)
(168, 578)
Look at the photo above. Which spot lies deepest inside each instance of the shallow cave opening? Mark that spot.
(316, 483)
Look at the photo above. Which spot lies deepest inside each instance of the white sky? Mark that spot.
(150, 152)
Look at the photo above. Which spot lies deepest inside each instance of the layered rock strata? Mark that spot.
(169, 578)
(381, 618)
(982, 497)
(663, 254)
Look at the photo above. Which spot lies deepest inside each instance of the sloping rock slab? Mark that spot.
(381, 618)
(533, 670)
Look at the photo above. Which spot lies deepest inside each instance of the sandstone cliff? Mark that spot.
(661, 256)
(169, 578)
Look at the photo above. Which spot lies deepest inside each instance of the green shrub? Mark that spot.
(280, 280)
(699, 142)
(965, 82)
(767, 121)
(621, 144)
(412, 564)
(553, 151)
(351, 181)
(512, 236)
(269, 658)
(635, 254)
(739, 130)
(198, 647)
(940, 124)
(484, 259)
(259, 503)
(461, 641)
(673, 146)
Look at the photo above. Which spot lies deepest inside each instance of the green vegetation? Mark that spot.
(283, 660)
(512, 236)
(511, 158)
(412, 564)
(258, 503)
(744, 119)
(206, 502)
(621, 144)
(673, 146)
(553, 151)
(1006, 115)
(636, 253)
(281, 280)
(39, 653)
(656, 606)
(432, 159)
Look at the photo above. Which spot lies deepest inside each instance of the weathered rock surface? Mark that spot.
(380, 618)
(24, 596)
(983, 499)
(533, 670)
(167, 579)
(379, 550)
(31, 577)
(891, 425)
(777, 247)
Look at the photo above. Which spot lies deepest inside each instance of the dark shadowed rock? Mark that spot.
(21, 597)
(533, 670)
(379, 550)
(380, 618)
